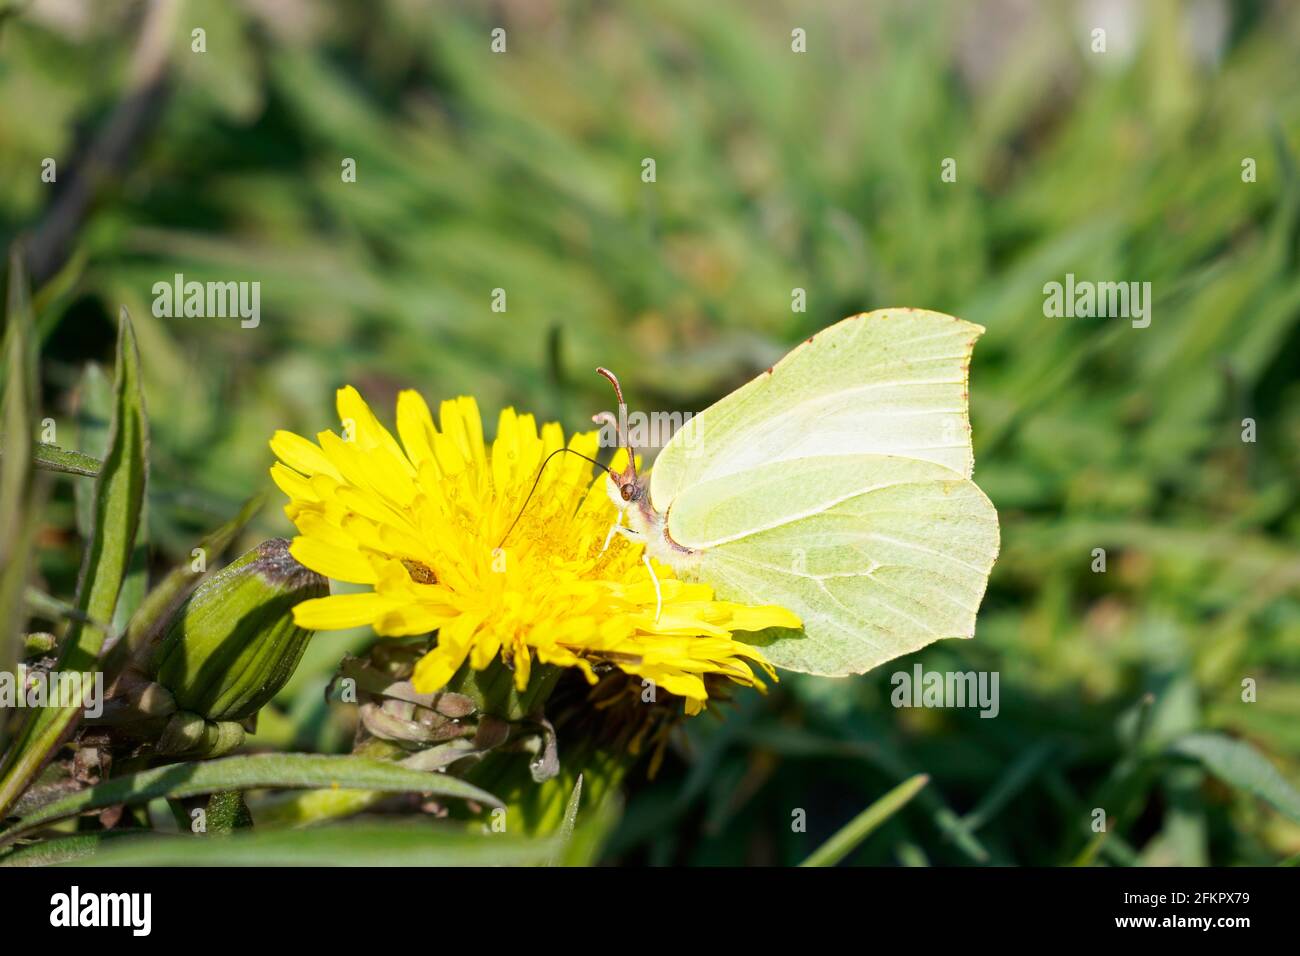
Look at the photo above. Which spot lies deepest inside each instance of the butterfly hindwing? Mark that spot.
(878, 555)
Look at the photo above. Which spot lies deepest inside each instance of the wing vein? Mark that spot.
(791, 519)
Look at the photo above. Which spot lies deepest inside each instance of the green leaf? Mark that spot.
(46, 605)
(18, 490)
(119, 501)
(860, 827)
(565, 833)
(136, 581)
(368, 844)
(64, 849)
(795, 741)
(227, 812)
(168, 593)
(1238, 763)
(94, 415)
(246, 773)
(304, 808)
(1017, 775)
(20, 393)
(1089, 853)
(54, 458)
(493, 689)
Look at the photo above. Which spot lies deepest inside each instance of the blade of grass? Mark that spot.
(1238, 763)
(54, 458)
(1088, 855)
(794, 741)
(119, 501)
(94, 412)
(367, 844)
(1017, 776)
(64, 849)
(94, 415)
(20, 398)
(860, 827)
(565, 833)
(49, 606)
(18, 491)
(136, 581)
(250, 772)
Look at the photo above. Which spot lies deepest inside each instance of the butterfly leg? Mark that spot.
(659, 595)
(633, 535)
(617, 526)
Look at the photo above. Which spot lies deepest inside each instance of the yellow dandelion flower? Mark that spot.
(420, 522)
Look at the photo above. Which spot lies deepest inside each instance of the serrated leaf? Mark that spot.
(257, 771)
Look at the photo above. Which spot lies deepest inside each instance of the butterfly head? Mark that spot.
(625, 487)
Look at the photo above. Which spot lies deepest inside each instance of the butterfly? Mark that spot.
(836, 484)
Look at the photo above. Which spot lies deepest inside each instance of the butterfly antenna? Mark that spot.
(622, 418)
(524, 506)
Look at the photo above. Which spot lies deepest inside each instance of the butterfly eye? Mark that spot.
(626, 492)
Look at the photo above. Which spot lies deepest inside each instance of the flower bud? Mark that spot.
(233, 644)
(189, 734)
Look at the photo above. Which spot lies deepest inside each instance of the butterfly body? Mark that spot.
(836, 484)
(630, 495)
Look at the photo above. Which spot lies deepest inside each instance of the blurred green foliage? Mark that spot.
(775, 171)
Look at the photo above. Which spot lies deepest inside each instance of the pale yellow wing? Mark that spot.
(890, 382)
(878, 555)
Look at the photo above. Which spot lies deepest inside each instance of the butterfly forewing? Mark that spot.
(891, 382)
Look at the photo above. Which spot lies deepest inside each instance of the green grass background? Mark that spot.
(775, 170)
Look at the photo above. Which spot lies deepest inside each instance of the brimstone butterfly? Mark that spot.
(836, 484)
